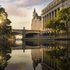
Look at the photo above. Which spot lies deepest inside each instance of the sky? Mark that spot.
(20, 12)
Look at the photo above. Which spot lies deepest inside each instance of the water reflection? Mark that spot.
(5, 51)
(55, 55)
(35, 55)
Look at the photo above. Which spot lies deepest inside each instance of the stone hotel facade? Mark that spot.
(36, 22)
(51, 10)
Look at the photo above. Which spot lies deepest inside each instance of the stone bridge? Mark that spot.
(32, 33)
(26, 33)
(21, 31)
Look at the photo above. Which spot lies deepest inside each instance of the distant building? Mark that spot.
(36, 22)
(51, 10)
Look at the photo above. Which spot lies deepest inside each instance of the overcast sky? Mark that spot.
(20, 11)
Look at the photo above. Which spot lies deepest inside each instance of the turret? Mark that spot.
(35, 15)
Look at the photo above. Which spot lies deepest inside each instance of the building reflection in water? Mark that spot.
(52, 57)
(36, 57)
(45, 56)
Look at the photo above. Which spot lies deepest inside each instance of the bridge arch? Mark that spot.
(31, 35)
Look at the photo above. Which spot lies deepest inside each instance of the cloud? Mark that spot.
(19, 22)
(20, 11)
(26, 3)
(15, 11)
(5, 1)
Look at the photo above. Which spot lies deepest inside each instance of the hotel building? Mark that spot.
(51, 10)
(36, 22)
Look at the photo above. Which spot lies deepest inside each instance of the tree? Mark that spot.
(64, 14)
(61, 21)
(5, 28)
(64, 17)
(56, 25)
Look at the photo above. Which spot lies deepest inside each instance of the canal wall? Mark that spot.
(62, 36)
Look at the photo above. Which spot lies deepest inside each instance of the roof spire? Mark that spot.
(34, 10)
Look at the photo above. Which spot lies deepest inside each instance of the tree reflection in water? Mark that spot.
(54, 56)
(57, 57)
(5, 51)
(50, 56)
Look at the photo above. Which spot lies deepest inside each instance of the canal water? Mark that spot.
(28, 60)
(35, 55)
